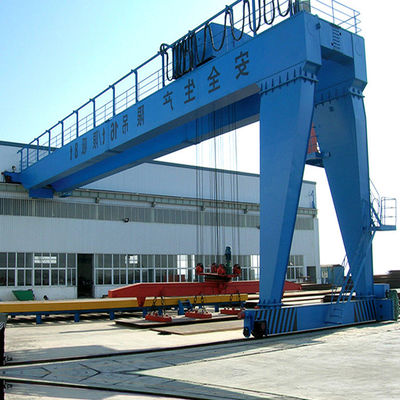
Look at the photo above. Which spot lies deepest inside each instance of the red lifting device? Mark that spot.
(182, 289)
(232, 310)
(158, 316)
(200, 313)
(155, 316)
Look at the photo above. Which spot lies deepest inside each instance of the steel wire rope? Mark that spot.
(216, 192)
(236, 187)
(222, 174)
(232, 174)
(213, 191)
(187, 50)
(199, 200)
(234, 194)
(212, 195)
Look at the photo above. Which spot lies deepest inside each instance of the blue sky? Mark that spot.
(56, 54)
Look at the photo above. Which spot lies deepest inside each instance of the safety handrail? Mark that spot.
(383, 209)
(254, 18)
(350, 280)
(389, 211)
(383, 213)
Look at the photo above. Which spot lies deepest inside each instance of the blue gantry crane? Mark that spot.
(279, 63)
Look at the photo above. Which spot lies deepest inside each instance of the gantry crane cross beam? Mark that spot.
(200, 104)
(300, 71)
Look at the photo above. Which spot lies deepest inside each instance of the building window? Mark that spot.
(36, 269)
(103, 266)
(3, 269)
(13, 269)
(254, 271)
(54, 268)
(115, 269)
(59, 269)
(296, 260)
(98, 265)
(72, 261)
(182, 268)
(133, 265)
(41, 264)
(296, 268)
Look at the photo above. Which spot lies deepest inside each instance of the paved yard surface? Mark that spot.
(354, 363)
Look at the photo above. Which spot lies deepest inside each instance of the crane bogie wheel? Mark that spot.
(259, 329)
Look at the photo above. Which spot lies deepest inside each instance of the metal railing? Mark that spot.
(350, 280)
(382, 214)
(383, 210)
(157, 72)
(389, 212)
(337, 13)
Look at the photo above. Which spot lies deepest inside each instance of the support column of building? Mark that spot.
(285, 122)
(342, 135)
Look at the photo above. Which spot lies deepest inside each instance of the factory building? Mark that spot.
(150, 223)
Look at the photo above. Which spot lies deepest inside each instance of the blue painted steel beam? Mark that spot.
(340, 125)
(218, 83)
(286, 114)
(221, 121)
(341, 128)
(280, 320)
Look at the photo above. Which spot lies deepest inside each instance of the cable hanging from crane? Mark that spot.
(185, 51)
(218, 225)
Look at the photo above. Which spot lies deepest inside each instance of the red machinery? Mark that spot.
(155, 316)
(218, 281)
(199, 313)
(219, 273)
(182, 289)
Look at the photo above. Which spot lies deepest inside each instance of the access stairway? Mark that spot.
(383, 217)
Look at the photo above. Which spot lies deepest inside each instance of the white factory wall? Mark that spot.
(174, 180)
(304, 242)
(178, 180)
(23, 234)
(62, 235)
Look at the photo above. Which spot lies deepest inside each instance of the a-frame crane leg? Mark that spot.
(341, 130)
(286, 114)
(285, 121)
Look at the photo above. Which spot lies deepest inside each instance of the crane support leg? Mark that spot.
(341, 130)
(285, 122)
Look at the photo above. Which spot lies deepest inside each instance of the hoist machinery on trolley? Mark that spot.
(222, 271)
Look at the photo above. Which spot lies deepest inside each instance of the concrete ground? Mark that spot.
(108, 361)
